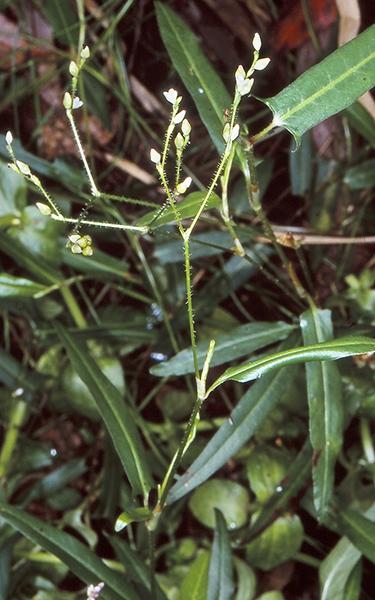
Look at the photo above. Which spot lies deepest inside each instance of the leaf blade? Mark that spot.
(220, 573)
(114, 412)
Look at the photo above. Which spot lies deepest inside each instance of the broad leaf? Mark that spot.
(276, 544)
(116, 415)
(244, 420)
(238, 342)
(325, 409)
(220, 574)
(194, 586)
(330, 350)
(82, 562)
(188, 207)
(326, 88)
(231, 498)
(204, 85)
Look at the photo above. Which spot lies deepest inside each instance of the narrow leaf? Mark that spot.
(204, 85)
(328, 87)
(220, 574)
(246, 580)
(194, 586)
(325, 409)
(359, 530)
(186, 208)
(116, 415)
(244, 420)
(232, 344)
(330, 350)
(78, 557)
(18, 287)
(361, 176)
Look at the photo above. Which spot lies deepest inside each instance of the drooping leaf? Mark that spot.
(116, 415)
(231, 498)
(220, 574)
(328, 87)
(238, 342)
(330, 350)
(188, 207)
(325, 409)
(203, 84)
(82, 562)
(244, 420)
(138, 514)
(194, 586)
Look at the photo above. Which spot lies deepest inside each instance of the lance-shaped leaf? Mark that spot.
(326, 88)
(116, 415)
(204, 85)
(220, 573)
(194, 586)
(358, 529)
(237, 342)
(244, 420)
(325, 409)
(330, 350)
(78, 557)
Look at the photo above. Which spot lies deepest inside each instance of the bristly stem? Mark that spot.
(189, 297)
(94, 190)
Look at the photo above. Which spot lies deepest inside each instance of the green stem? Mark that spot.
(16, 420)
(73, 307)
(94, 190)
(189, 297)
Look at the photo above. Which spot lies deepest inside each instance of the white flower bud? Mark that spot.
(74, 238)
(186, 128)
(23, 167)
(73, 69)
(235, 132)
(9, 138)
(257, 42)
(35, 180)
(155, 156)
(240, 75)
(184, 185)
(77, 103)
(171, 95)
(67, 101)
(179, 141)
(245, 86)
(87, 251)
(179, 117)
(43, 208)
(261, 64)
(76, 249)
(85, 53)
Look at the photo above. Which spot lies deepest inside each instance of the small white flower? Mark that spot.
(76, 249)
(235, 132)
(179, 117)
(87, 251)
(85, 53)
(257, 42)
(244, 87)
(35, 180)
(186, 128)
(23, 167)
(73, 69)
(184, 185)
(179, 141)
(67, 101)
(240, 75)
(43, 208)
(155, 157)
(261, 64)
(171, 95)
(9, 138)
(77, 103)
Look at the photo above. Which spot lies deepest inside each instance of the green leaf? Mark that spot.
(361, 176)
(63, 20)
(361, 120)
(353, 585)
(194, 586)
(324, 394)
(244, 420)
(301, 166)
(82, 562)
(335, 570)
(116, 415)
(138, 514)
(326, 88)
(220, 574)
(246, 580)
(13, 191)
(330, 350)
(277, 544)
(17, 287)
(27, 260)
(203, 84)
(188, 207)
(235, 343)
(100, 264)
(358, 529)
(228, 496)
(265, 468)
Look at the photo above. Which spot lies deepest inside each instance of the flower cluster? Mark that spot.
(80, 244)
(93, 591)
